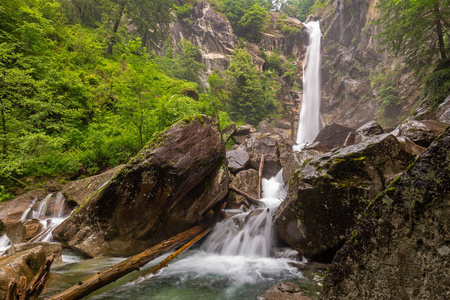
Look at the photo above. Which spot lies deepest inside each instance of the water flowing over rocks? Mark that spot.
(399, 249)
(328, 194)
(171, 184)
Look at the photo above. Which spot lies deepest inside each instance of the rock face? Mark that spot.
(170, 185)
(352, 58)
(400, 248)
(285, 291)
(328, 194)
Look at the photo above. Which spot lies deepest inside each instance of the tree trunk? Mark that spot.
(260, 175)
(131, 264)
(439, 32)
(242, 193)
(112, 40)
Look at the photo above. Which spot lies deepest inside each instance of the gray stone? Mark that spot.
(238, 160)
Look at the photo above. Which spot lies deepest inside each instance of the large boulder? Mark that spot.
(334, 135)
(400, 248)
(284, 291)
(328, 194)
(246, 181)
(171, 184)
(12, 211)
(420, 132)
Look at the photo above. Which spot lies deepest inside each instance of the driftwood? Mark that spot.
(131, 264)
(21, 292)
(41, 234)
(260, 175)
(183, 248)
(242, 193)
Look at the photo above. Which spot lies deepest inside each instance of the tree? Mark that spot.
(298, 8)
(248, 100)
(416, 29)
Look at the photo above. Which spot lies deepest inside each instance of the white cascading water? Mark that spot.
(309, 122)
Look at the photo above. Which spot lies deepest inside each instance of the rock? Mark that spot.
(367, 130)
(271, 128)
(399, 249)
(443, 111)
(333, 136)
(32, 228)
(238, 159)
(410, 147)
(296, 160)
(16, 233)
(421, 132)
(259, 144)
(244, 129)
(228, 131)
(328, 194)
(11, 211)
(48, 248)
(284, 291)
(80, 190)
(25, 263)
(350, 139)
(171, 184)
(246, 181)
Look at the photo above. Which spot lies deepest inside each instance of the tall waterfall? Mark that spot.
(309, 123)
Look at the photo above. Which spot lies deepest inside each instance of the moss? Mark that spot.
(390, 191)
(360, 158)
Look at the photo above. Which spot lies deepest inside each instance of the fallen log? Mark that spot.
(242, 193)
(260, 175)
(183, 248)
(131, 264)
(22, 292)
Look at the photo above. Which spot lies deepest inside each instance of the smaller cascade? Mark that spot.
(309, 121)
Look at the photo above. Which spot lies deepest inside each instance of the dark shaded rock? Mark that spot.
(350, 139)
(334, 135)
(367, 130)
(246, 181)
(421, 132)
(80, 190)
(170, 185)
(400, 248)
(328, 194)
(25, 263)
(410, 147)
(259, 144)
(238, 159)
(284, 291)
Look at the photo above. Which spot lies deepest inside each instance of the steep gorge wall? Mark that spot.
(352, 59)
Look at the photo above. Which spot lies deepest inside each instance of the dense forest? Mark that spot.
(85, 84)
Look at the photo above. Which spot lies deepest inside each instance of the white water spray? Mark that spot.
(309, 122)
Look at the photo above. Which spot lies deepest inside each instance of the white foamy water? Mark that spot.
(309, 122)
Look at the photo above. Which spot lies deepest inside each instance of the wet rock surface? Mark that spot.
(400, 248)
(421, 132)
(284, 291)
(333, 136)
(170, 185)
(329, 193)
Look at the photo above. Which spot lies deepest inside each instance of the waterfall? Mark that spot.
(309, 122)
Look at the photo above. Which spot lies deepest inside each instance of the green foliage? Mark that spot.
(252, 96)
(437, 85)
(273, 62)
(415, 29)
(299, 9)
(386, 83)
(246, 16)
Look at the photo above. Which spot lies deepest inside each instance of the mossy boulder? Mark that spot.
(171, 184)
(328, 194)
(400, 248)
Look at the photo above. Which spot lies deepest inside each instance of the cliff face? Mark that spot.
(353, 60)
